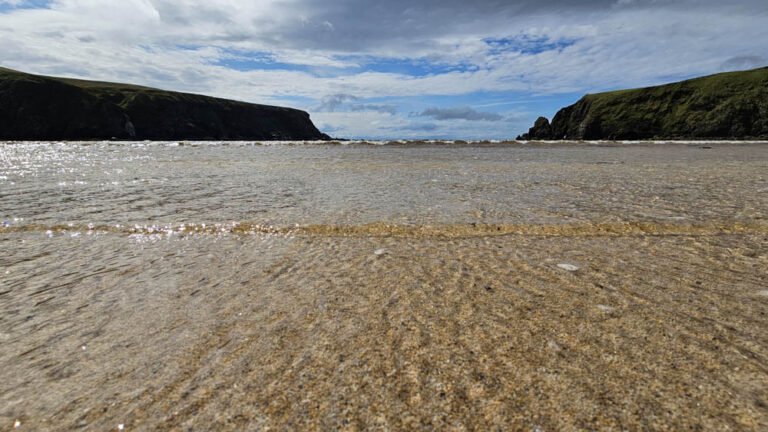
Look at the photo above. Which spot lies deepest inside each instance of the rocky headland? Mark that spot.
(731, 105)
(34, 107)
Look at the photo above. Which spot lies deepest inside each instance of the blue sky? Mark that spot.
(394, 68)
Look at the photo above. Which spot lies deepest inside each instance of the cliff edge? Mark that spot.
(731, 105)
(34, 107)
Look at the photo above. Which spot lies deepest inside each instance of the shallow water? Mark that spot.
(297, 285)
(164, 183)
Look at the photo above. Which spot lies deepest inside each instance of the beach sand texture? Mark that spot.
(586, 288)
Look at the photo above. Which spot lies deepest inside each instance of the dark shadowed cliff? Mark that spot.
(34, 107)
(728, 105)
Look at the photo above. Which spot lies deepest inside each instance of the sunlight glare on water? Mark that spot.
(242, 286)
(153, 184)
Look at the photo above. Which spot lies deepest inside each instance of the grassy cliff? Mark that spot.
(728, 105)
(34, 107)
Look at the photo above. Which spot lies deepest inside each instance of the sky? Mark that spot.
(389, 69)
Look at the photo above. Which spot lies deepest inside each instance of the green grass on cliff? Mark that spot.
(10, 74)
(120, 93)
(48, 108)
(733, 104)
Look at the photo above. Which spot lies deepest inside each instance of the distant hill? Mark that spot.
(34, 107)
(727, 105)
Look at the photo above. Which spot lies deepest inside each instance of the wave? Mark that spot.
(406, 143)
(616, 229)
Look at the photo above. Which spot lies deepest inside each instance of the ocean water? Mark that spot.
(391, 286)
(165, 184)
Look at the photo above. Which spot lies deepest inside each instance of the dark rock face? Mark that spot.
(724, 106)
(43, 108)
(541, 130)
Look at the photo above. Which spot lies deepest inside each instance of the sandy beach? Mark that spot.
(502, 288)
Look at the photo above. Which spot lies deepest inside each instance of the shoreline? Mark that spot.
(406, 143)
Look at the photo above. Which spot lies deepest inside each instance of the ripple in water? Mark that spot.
(398, 286)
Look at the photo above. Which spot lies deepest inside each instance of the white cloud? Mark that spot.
(335, 46)
(458, 113)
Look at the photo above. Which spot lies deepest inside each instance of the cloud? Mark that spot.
(459, 113)
(384, 108)
(331, 102)
(373, 125)
(743, 62)
(395, 56)
(422, 127)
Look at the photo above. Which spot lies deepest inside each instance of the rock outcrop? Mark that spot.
(730, 105)
(541, 130)
(34, 107)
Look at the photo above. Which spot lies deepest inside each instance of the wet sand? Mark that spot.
(614, 322)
